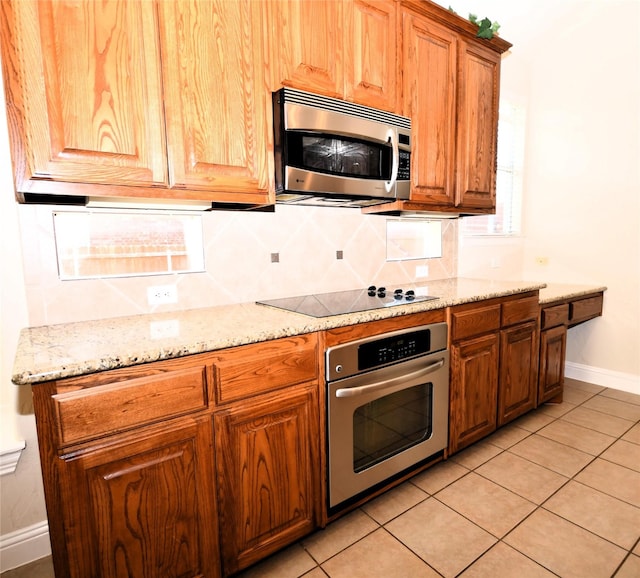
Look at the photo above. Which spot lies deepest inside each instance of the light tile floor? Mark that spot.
(554, 493)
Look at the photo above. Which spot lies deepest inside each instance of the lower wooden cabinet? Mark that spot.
(553, 346)
(518, 371)
(142, 507)
(556, 318)
(267, 456)
(191, 467)
(474, 390)
(494, 366)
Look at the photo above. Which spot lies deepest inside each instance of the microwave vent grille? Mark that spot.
(350, 108)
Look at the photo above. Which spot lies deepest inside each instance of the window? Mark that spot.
(99, 244)
(507, 220)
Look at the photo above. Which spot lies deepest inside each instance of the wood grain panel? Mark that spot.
(517, 393)
(467, 323)
(353, 332)
(584, 309)
(150, 504)
(263, 367)
(84, 92)
(477, 137)
(216, 103)
(268, 474)
(553, 316)
(98, 411)
(370, 60)
(307, 45)
(429, 96)
(553, 345)
(519, 310)
(473, 390)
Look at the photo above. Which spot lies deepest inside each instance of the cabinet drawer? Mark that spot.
(520, 310)
(584, 309)
(475, 321)
(96, 411)
(554, 316)
(254, 369)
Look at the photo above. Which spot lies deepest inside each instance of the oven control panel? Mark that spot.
(390, 349)
(366, 354)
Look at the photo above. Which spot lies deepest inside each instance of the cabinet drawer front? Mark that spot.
(584, 309)
(556, 315)
(475, 321)
(254, 369)
(107, 409)
(520, 310)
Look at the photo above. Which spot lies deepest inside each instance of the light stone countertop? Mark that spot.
(70, 349)
(560, 291)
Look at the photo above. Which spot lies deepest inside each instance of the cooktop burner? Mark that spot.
(340, 302)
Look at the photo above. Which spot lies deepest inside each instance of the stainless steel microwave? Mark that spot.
(334, 153)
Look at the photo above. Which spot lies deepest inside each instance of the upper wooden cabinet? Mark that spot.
(450, 83)
(429, 99)
(137, 99)
(339, 48)
(305, 42)
(371, 66)
(477, 128)
(217, 107)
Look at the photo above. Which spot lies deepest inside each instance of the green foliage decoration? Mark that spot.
(486, 28)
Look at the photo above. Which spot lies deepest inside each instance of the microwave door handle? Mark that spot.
(387, 383)
(392, 137)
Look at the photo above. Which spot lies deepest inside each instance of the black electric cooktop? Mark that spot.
(340, 302)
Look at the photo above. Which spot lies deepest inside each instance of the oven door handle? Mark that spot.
(361, 390)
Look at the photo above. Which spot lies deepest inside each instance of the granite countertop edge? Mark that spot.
(60, 351)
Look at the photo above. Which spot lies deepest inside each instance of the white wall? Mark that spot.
(575, 66)
(582, 207)
(23, 525)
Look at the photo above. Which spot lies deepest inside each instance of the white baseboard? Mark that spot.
(605, 377)
(25, 545)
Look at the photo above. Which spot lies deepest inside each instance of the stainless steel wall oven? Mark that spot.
(388, 400)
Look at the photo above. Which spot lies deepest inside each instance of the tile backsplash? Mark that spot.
(239, 265)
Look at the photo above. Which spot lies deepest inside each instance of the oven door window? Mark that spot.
(338, 155)
(391, 424)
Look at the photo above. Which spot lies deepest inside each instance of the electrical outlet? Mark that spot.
(164, 329)
(422, 271)
(161, 294)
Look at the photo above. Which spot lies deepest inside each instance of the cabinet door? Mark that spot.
(553, 344)
(473, 390)
(84, 98)
(148, 506)
(517, 393)
(216, 102)
(306, 45)
(267, 465)
(370, 53)
(477, 114)
(429, 96)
